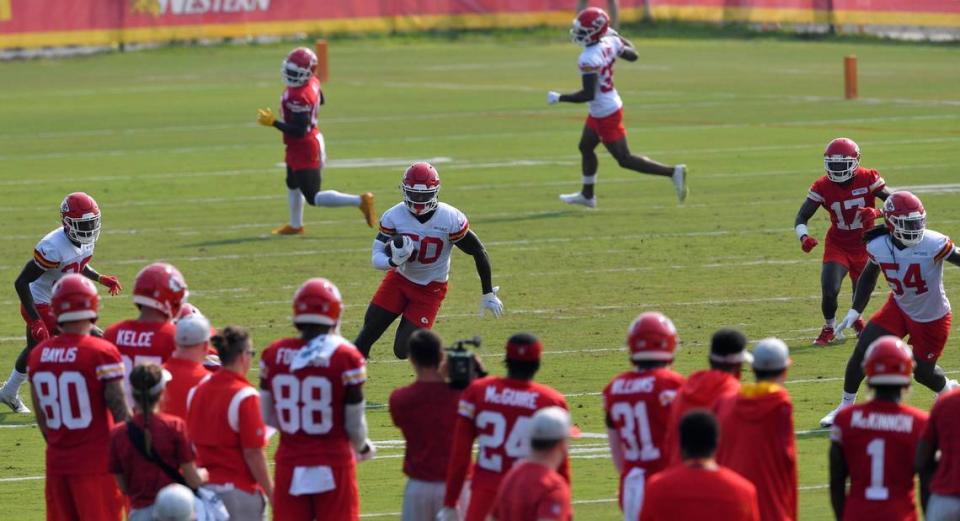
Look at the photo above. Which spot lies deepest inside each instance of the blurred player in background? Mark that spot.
(413, 247)
(496, 411)
(938, 459)
(637, 407)
(75, 380)
(911, 258)
(426, 413)
(874, 443)
(306, 153)
(602, 46)
(758, 440)
(67, 249)
(311, 390)
(848, 192)
(158, 293)
(703, 389)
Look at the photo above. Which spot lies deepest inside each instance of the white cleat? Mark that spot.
(679, 178)
(578, 198)
(15, 404)
(827, 421)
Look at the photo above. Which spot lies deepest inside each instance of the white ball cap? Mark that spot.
(192, 330)
(552, 423)
(771, 354)
(174, 502)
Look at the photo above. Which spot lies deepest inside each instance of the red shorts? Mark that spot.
(481, 504)
(308, 154)
(46, 313)
(609, 128)
(340, 504)
(78, 498)
(852, 258)
(927, 338)
(418, 304)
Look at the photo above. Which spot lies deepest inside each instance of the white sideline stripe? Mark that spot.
(927, 189)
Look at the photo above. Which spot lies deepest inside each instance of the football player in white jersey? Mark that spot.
(67, 249)
(601, 48)
(413, 246)
(911, 258)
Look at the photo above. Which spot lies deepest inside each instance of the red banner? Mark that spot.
(43, 23)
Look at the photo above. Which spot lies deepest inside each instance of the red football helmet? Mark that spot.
(298, 67)
(589, 26)
(187, 309)
(420, 186)
(841, 159)
(905, 217)
(652, 336)
(81, 218)
(74, 298)
(317, 301)
(889, 361)
(160, 286)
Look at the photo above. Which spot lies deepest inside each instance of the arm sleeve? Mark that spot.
(459, 226)
(945, 251)
(109, 365)
(876, 182)
(463, 436)
(395, 408)
(815, 193)
(45, 258)
(355, 421)
(252, 429)
(378, 255)
(590, 65)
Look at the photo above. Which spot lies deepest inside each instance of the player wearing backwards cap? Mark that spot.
(757, 425)
(728, 353)
(874, 443)
(533, 490)
(158, 293)
(413, 247)
(637, 406)
(186, 365)
(496, 411)
(848, 192)
(306, 153)
(601, 48)
(699, 488)
(66, 249)
(911, 259)
(311, 389)
(75, 379)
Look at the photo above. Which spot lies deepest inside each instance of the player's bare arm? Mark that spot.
(298, 126)
(807, 209)
(586, 93)
(838, 479)
(30, 272)
(116, 402)
(356, 423)
(954, 257)
(629, 51)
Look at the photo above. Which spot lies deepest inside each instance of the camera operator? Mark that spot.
(425, 411)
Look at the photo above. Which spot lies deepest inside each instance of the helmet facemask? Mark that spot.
(840, 169)
(908, 229)
(419, 199)
(83, 230)
(294, 75)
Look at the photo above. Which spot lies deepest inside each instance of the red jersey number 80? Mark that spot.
(303, 405)
(65, 400)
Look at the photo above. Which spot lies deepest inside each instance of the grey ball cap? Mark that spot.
(174, 502)
(551, 424)
(771, 354)
(192, 330)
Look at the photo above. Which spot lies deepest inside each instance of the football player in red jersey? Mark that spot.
(66, 249)
(306, 152)
(874, 443)
(414, 245)
(848, 192)
(601, 48)
(637, 407)
(311, 390)
(496, 411)
(75, 380)
(158, 293)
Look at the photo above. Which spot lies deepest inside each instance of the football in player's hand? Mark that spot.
(397, 242)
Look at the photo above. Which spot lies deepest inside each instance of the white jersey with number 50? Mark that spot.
(915, 274)
(599, 59)
(432, 240)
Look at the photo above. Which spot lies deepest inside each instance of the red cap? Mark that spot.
(524, 347)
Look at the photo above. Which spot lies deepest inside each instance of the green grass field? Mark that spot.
(166, 141)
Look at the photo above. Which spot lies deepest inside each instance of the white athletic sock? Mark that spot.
(335, 198)
(296, 200)
(590, 179)
(14, 382)
(848, 399)
(831, 322)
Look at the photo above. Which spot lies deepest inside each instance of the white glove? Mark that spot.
(553, 97)
(369, 454)
(491, 302)
(846, 323)
(400, 255)
(447, 514)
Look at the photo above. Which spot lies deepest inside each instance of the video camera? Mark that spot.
(462, 364)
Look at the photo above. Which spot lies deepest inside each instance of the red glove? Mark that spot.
(869, 213)
(38, 330)
(808, 243)
(111, 283)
